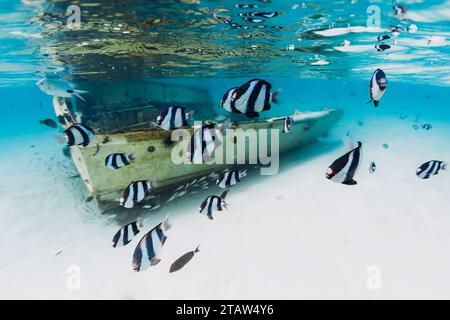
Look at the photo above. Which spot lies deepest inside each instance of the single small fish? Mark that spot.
(125, 234)
(385, 146)
(251, 98)
(59, 88)
(78, 134)
(183, 260)
(430, 168)
(230, 178)
(135, 192)
(343, 169)
(49, 123)
(415, 127)
(213, 203)
(377, 87)
(372, 167)
(146, 252)
(89, 199)
(173, 117)
(427, 126)
(118, 160)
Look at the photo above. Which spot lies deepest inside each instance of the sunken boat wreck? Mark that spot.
(124, 127)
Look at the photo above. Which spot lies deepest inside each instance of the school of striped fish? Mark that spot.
(250, 99)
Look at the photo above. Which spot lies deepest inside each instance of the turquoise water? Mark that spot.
(189, 43)
(318, 54)
(330, 233)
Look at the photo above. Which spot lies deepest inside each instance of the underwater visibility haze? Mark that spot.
(347, 196)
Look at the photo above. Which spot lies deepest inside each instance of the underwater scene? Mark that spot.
(236, 149)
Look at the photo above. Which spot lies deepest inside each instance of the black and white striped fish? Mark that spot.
(147, 250)
(377, 87)
(125, 234)
(430, 168)
(260, 14)
(173, 117)
(230, 178)
(344, 168)
(118, 160)
(427, 126)
(382, 47)
(135, 192)
(204, 141)
(287, 124)
(251, 98)
(78, 134)
(213, 203)
(383, 37)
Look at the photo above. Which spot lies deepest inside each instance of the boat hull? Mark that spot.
(152, 150)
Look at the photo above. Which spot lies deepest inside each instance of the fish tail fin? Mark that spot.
(140, 222)
(153, 183)
(190, 115)
(78, 96)
(444, 166)
(209, 215)
(274, 96)
(166, 223)
(80, 91)
(197, 249)
(223, 195)
(349, 144)
(155, 261)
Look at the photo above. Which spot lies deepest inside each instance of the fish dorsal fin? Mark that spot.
(349, 143)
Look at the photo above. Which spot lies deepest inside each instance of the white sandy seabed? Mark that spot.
(291, 236)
